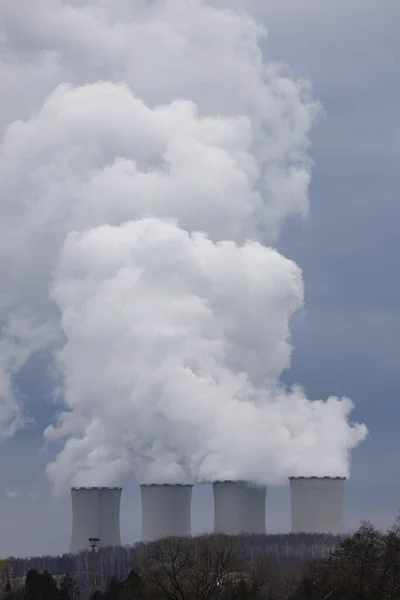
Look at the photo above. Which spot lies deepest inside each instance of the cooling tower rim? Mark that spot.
(74, 489)
(168, 485)
(317, 477)
(240, 481)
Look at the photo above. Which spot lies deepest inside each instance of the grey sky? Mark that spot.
(347, 339)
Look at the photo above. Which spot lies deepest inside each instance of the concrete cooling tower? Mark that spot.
(166, 511)
(239, 507)
(95, 513)
(317, 504)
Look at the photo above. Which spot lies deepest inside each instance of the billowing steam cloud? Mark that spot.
(148, 158)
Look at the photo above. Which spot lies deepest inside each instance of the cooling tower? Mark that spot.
(95, 513)
(317, 504)
(239, 507)
(166, 510)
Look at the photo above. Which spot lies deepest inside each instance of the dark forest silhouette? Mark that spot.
(362, 565)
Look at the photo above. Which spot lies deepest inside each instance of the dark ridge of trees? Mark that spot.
(42, 586)
(363, 565)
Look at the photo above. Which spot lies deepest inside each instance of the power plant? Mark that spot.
(317, 504)
(95, 514)
(239, 507)
(166, 511)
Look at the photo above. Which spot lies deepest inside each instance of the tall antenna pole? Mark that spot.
(94, 542)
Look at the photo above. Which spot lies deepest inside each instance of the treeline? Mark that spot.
(285, 549)
(364, 565)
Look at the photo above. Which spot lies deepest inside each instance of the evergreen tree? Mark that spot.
(49, 589)
(114, 589)
(132, 587)
(33, 589)
(40, 586)
(68, 588)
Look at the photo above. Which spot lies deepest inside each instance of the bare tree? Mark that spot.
(389, 578)
(216, 563)
(191, 569)
(266, 582)
(166, 568)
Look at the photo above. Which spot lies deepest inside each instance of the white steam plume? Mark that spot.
(128, 128)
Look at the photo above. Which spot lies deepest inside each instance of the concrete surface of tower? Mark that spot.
(239, 507)
(166, 510)
(317, 504)
(95, 514)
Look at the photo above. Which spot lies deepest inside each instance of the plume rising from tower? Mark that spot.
(166, 510)
(140, 213)
(317, 504)
(95, 514)
(239, 507)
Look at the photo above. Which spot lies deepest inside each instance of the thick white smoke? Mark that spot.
(148, 156)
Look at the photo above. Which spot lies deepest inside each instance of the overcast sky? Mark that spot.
(347, 339)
